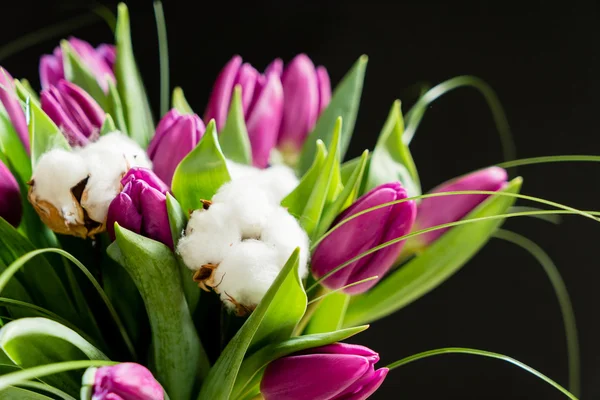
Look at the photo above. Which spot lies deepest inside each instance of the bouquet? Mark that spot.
(234, 256)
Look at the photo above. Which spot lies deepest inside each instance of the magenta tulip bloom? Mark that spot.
(363, 233)
(99, 61)
(12, 105)
(306, 93)
(176, 135)
(141, 206)
(125, 381)
(75, 112)
(11, 208)
(337, 371)
(444, 209)
(262, 103)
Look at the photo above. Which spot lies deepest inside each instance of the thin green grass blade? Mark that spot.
(482, 353)
(553, 218)
(548, 159)
(564, 300)
(46, 388)
(372, 278)
(163, 53)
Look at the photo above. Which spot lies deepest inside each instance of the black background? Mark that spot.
(543, 62)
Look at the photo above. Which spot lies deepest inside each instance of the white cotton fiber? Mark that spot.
(238, 171)
(278, 181)
(122, 144)
(56, 172)
(209, 237)
(284, 233)
(246, 273)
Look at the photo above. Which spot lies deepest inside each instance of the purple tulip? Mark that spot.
(306, 93)
(141, 206)
(262, 103)
(439, 210)
(176, 135)
(98, 61)
(10, 197)
(125, 381)
(337, 371)
(75, 112)
(11, 103)
(363, 233)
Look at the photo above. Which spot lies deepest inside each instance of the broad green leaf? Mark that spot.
(13, 149)
(108, 126)
(252, 367)
(180, 103)
(12, 393)
(24, 91)
(344, 103)
(44, 135)
(344, 199)
(234, 136)
(349, 166)
(31, 342)
(78, 73)
(115, 108)
(178, 220)
(178, 356)
(201, 173)
(329, 315)
(434, 265)
(44, 388)
(39, 277)
(136, 109)
(391, 160)
(272, 321)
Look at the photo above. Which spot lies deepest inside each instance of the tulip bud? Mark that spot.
(125, 381)
(262, 103)
(336, 371)
(10, 101)
(75, 112)
(176, 135)
(108, 53)
(98, 61)
(10, 197)
(363, 233)
(433, 211)
(141, 206)
(306, 93)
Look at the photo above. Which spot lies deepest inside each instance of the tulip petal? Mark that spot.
(155, 220)
(164, 125)
(123, 210)
(51, 69)
(218, 104)
(10, 101)
(83, 103)
(324, 88)
(146, 175)
(10, 198)
(55, 106)
(94, 61)
(345, 348)
(108, 53)
(369, 388)
(127, 381)
(276, 67)
(247, 78)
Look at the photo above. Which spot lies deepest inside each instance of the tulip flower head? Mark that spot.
(10, 101)
(176, 135)
(125, 381)
(75, 112)
(141, 206)
(433, 211)
(363, 233)
(333, 372)
(72, 190)
(10, 197)
(99, 61)
(238, 250)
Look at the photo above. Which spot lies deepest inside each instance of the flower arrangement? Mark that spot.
(230, 256)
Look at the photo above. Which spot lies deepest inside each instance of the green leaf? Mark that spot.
(129, 84)
(44, 388)
(31, 342)
(432, 267)
(391, 160)
(178, 356)
(330, 314)
(24, 91)
(180, 103)
(43, 134)
(350, 192)
(27, 86)
(78, 73)
(234, 136)
(201, 173)
(344, 103)
(251, 370)
(272, 321)
(115, 108)
(12, 393)
(178, 221)
(13, 149)
(108, 125)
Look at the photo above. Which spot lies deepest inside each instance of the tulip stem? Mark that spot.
(163, 54)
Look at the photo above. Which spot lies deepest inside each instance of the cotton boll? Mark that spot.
(285, 234)
(56, 173)
(245, 275)
(238, 171)
(278, 181)
(209, 237)
(119, 143)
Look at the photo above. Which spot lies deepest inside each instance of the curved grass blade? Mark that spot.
(548, 159)
(46, 388)
(552, 218)
(562, 294)
(481, 353)
(12, 393)
(163, 53)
